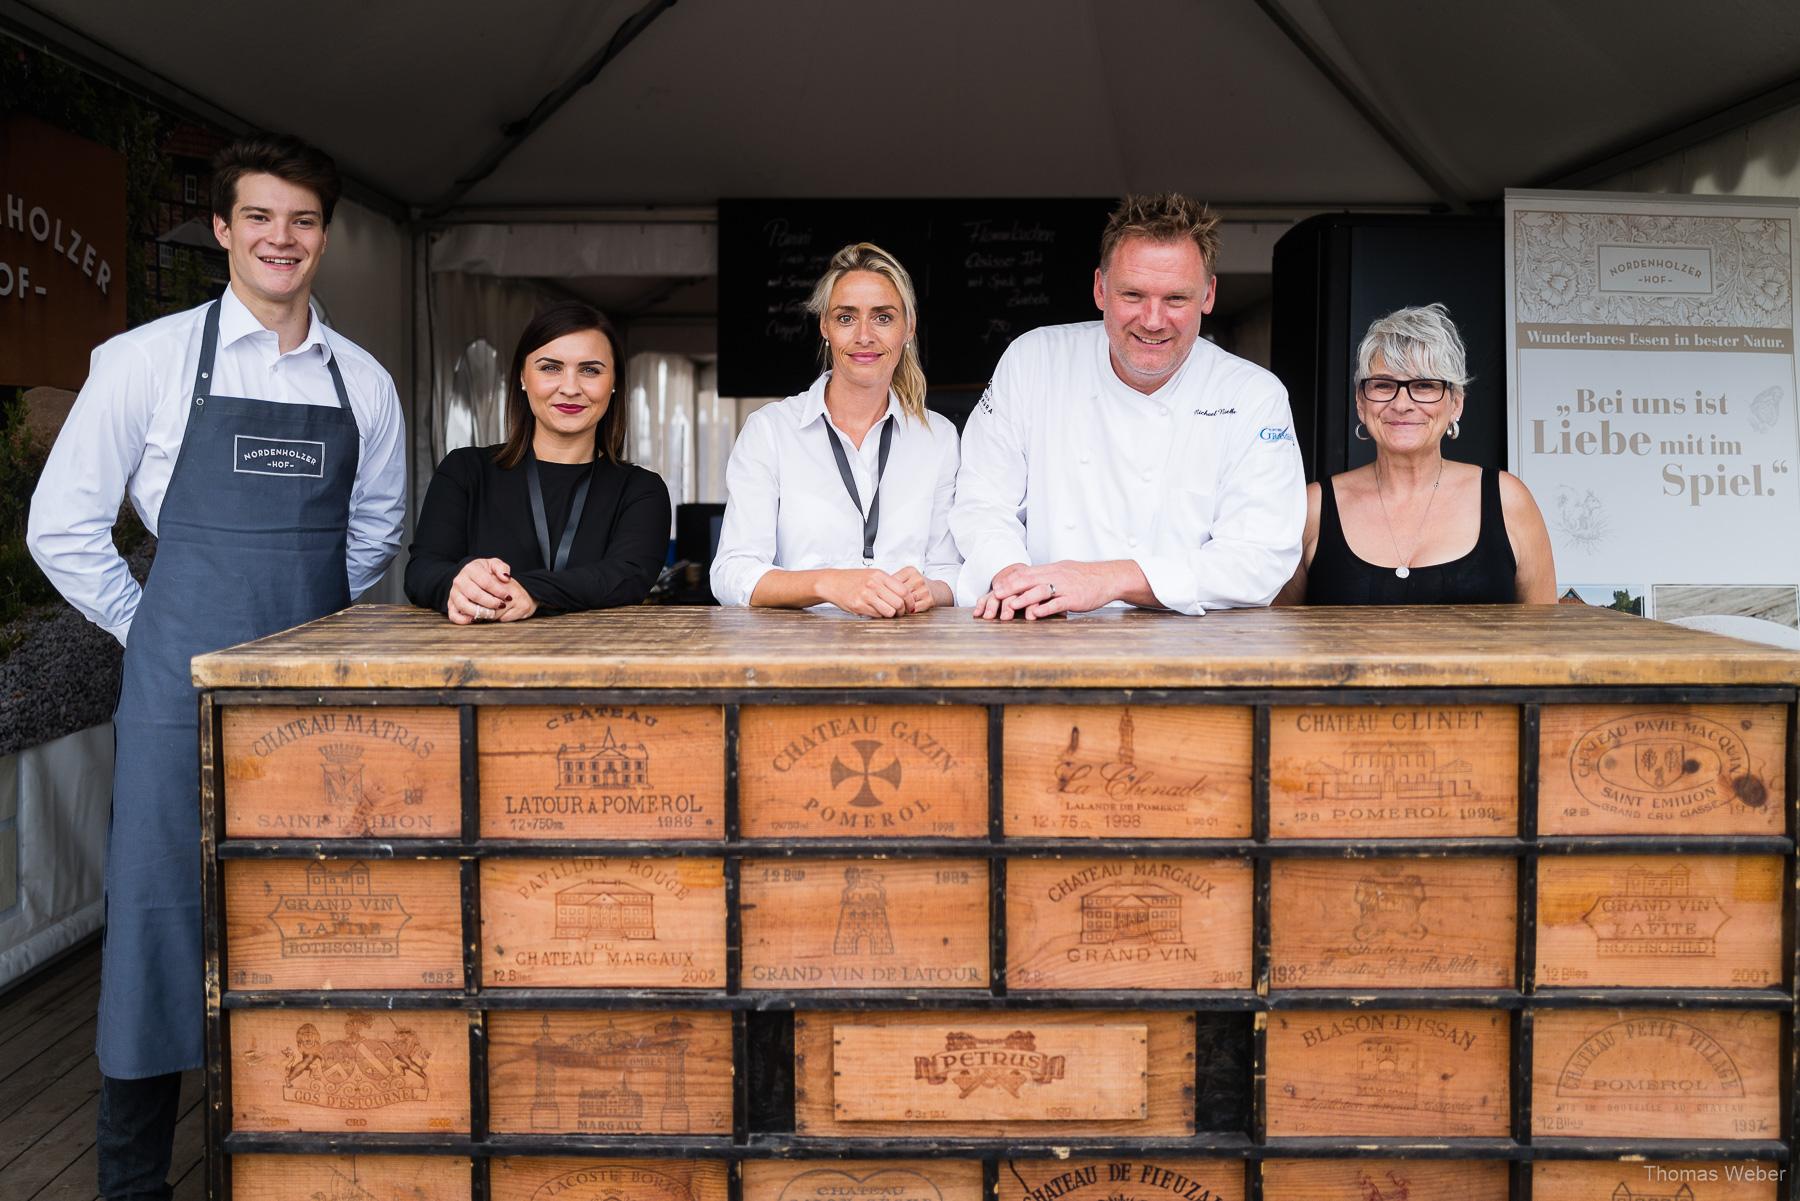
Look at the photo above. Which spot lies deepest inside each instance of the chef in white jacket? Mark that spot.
(1126, 461)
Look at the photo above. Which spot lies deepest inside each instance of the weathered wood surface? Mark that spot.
(371, 646)
(1437, 1073)
(343, 923)
(1653, 1180)
(1128, 923)
(1618, 1073)
(1665, 921)
(1169, 1084)
(532, 1179)
(865, 923)
(351, 1177)
(1391, 1180)
(862, 1180)
(1393, 923)
(1127, 771)
(1662, 769)
(1122, 1178)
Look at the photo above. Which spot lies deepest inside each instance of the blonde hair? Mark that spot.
(1162, 217)
(909, 376)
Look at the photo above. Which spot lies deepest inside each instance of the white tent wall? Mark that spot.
(1758, 159)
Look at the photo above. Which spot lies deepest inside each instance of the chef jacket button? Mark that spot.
(1131, 542)
(1084, 458)
(1068, 525)
(1162, 411)
(1147, 477)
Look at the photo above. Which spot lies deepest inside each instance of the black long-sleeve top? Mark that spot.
(476, 509)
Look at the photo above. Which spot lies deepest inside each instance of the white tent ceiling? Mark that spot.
(1291, 103)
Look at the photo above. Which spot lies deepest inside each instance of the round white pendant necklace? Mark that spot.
(1405, 568)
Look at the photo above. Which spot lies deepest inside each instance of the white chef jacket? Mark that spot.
(787, 507)
(1200, 482)
(125, 431)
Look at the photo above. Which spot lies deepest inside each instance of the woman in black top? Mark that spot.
(1413, 528)
(553, 520)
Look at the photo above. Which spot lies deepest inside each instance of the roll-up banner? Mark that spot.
(1652, 401)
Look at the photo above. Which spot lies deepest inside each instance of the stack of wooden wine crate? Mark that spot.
(928, 944)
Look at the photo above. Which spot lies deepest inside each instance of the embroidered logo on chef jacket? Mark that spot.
(987, 397)
(1214, 412)
(278, 456)
(1275, 433)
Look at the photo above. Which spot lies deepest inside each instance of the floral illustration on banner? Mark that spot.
(1765, 410)
(1556, 265)
(1580, 517)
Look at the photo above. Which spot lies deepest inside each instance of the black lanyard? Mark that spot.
(542, 523)
(871, 519)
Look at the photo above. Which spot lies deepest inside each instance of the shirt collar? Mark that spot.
(813, 407)
(237, 322)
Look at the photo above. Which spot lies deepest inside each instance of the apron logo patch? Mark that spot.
(278, 456)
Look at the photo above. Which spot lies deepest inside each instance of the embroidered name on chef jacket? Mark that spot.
(278, 456)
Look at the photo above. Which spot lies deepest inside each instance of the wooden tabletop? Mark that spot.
(383, 646)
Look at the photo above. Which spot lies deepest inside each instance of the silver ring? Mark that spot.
(481, 613)
(1053, 590)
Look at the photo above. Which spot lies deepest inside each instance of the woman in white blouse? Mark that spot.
(841, 495)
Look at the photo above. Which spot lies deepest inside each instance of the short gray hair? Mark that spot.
(1422, 339)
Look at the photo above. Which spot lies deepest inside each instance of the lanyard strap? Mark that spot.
(871, 519)
(538, 519)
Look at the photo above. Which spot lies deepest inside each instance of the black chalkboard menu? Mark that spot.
(985, 270)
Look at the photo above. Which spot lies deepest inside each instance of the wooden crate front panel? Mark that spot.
(609, 1072)
(862, 1180)
(997, 1072)
(1169, 1086)
(1393, 923)
(342, 772)
(515, 1178)
(1656, 1180)
(1439, 1073)
(1606, 1073)
(352, 1177)
(1387, 1180)
(343, 923)
(603, 923)
(852, 771)
(1394, 771)
(1662, 769)
(1127, 771)
(1663, 921)
(336, 1070)
(1128, 923)
(602, 771)
(1122, 1179)
(864, 923)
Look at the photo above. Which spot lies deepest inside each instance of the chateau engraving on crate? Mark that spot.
(1655, 1074)
(339, 772)
(862, 1180)
(1667, 1180)
(911, 1067)
(1386, 1180)
(603, 923)
(899, 771)
(1689, 921)
(522, 1179)
(349, 1178)
(343, 923)
(848, 923)
(1121, 1180)
(1662, 769)
(1128, 923)
(1127, 771)
(984, 1071)
(1392, 923)
(1438, 1073)
(332, 1070)
(610, 1072)
(602, 771)
(1398, 771)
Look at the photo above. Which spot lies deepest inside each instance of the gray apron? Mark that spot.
(251, 540)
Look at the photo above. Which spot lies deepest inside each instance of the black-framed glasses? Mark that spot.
(1378, 389)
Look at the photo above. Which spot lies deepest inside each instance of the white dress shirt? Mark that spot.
(787, 507)
(1200, 482)
(125, 431)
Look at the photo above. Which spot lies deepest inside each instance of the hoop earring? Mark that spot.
(1361, 432)
(1454, 432)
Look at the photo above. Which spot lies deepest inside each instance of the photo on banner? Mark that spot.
(1652, 401)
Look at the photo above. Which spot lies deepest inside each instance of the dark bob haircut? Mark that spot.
(281, 155)
(569, 317)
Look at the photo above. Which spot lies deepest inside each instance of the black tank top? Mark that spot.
(1487, 575)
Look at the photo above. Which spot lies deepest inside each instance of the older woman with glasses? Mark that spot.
(1412, 527)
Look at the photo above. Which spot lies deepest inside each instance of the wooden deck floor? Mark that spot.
(50, 1090)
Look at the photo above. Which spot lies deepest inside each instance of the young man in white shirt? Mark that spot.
(1127, 461)
(267, 454)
